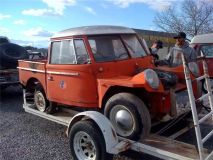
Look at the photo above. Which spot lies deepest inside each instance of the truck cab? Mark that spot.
(107, 69)
(203, 44)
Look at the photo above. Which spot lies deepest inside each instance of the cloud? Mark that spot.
(158, 5)
(90, 10)
(38, 12)
(4, 16)
(37, 37)
(38, 32)
(20, 22)
(59, 5)
(55, 7)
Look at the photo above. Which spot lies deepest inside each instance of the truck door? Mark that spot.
(70, 79)
(208, 51)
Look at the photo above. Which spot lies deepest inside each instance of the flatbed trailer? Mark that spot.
(92, 135)
(155, 145)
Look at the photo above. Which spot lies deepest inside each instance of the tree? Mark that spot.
(193, 17)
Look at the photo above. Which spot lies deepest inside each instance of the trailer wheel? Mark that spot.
(87, 142)
(129, 116)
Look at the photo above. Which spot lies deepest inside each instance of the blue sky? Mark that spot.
(33, 22)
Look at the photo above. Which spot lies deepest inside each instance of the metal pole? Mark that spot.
(193, 107)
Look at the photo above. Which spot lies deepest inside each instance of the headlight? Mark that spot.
(152, 78)
(193, 67)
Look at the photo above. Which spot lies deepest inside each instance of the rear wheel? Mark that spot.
(40, 99)
(129, 116)
(41, 102)
(87, 142)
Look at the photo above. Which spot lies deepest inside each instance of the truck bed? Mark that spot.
(29, 69)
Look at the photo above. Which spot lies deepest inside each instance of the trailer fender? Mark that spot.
(109, 133)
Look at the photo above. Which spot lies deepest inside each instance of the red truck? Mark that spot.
(107, 69)
(204, 44)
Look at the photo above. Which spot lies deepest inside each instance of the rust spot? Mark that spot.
(125, 147)
(33, 65)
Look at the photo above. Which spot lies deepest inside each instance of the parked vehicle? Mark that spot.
(9, 55)
(204, 43)
(108, 69)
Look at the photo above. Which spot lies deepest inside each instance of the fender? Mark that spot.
(108, 131)
(136, 81)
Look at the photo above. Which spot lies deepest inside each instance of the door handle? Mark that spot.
(50, 78)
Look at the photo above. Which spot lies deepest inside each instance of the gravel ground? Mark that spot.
(27, 137)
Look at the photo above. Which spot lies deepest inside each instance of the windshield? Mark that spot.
(111, 48)
(107, 48)
(134, 47)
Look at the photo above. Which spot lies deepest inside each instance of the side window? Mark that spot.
(55, 52)
(67, 52)
(81, 52)
(207, 50)
(63, 52)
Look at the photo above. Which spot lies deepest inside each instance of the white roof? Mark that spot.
(94, 30)
(203, 38)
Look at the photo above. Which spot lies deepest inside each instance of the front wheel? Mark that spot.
(87, 143)
(128, 115)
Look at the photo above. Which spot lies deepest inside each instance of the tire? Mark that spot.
(40, 99)
(87, 142)
(41, 102)
(10, 54)
(129, 116)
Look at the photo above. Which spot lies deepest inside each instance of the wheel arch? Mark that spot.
(118, 89)
(32, 83)
(106, 128)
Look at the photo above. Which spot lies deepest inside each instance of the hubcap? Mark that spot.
(40, 101)
(84, 146)
(123, 120)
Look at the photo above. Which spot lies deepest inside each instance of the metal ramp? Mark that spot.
(193, 101)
